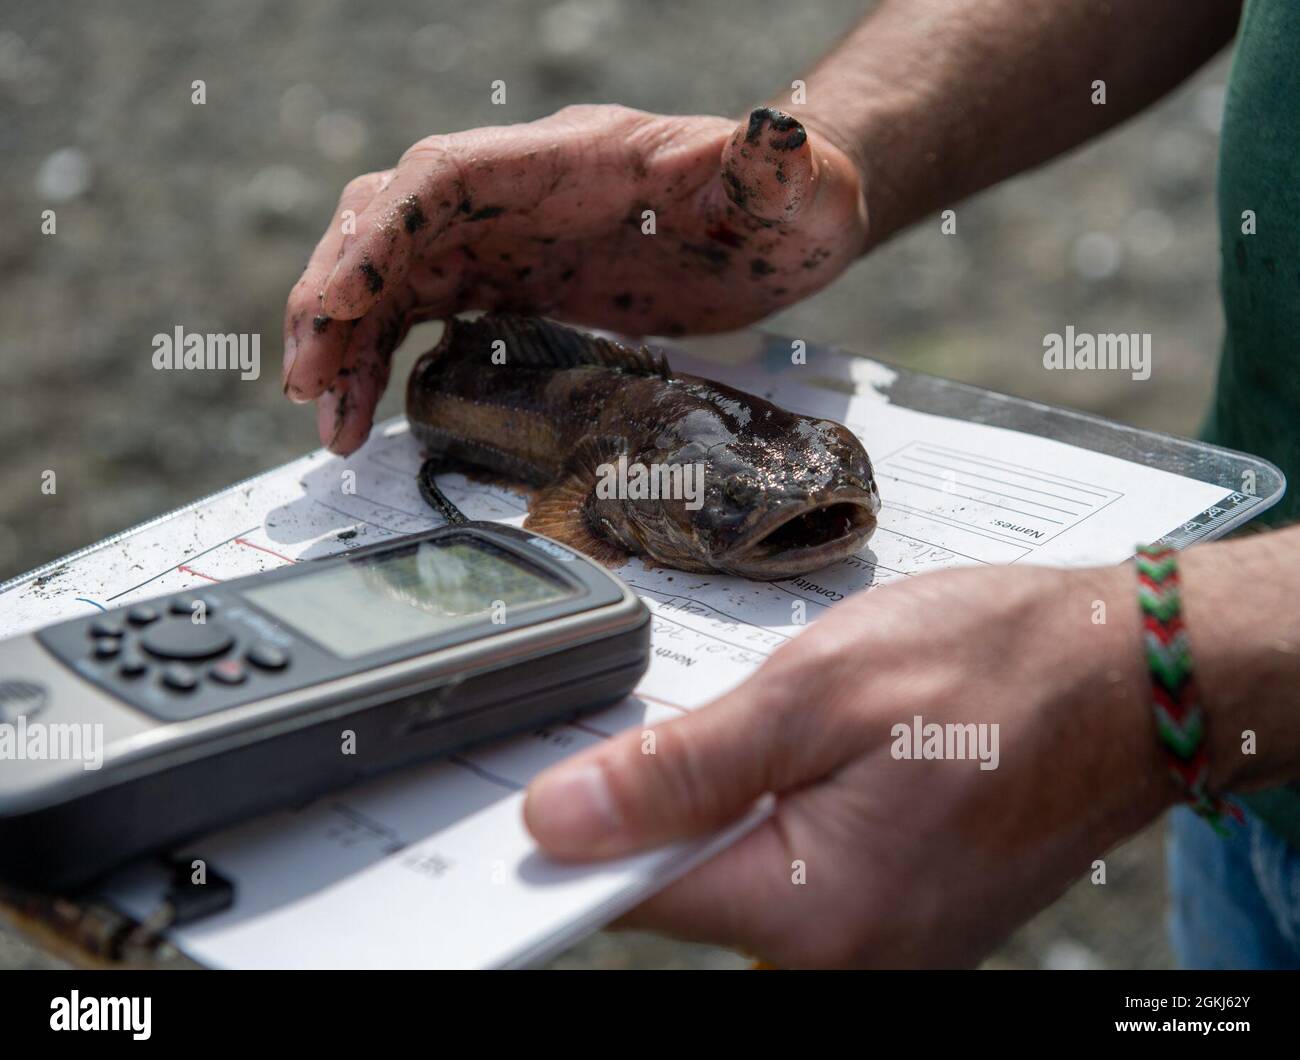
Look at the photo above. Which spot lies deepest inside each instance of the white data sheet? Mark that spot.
(432, 867)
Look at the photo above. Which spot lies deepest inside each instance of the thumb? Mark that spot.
(646, 787)
(768, 168)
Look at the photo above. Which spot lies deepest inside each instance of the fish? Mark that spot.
(592, 426)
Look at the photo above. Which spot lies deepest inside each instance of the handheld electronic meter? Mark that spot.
(137, 728)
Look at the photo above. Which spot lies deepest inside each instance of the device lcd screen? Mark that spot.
(383, 601)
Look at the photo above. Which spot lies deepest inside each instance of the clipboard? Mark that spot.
(93, 931)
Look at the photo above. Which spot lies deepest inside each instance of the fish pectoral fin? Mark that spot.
(595, 453)
(562, 509)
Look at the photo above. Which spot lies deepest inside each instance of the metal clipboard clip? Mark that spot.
(89, 930)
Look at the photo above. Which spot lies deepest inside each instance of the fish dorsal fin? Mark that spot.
(544, 343)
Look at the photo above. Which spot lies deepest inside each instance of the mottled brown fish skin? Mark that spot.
(783, 494)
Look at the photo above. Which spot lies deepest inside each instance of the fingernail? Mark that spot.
(290, 356)
(326, 307)
(574, 808)
(293, 393)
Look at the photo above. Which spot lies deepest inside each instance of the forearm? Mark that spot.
(1241, 603)
(936, 99)
(1241, 609)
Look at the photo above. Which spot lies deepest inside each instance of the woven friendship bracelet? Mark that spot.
(1175, 700)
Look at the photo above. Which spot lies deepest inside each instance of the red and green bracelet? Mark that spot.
(1175, 700)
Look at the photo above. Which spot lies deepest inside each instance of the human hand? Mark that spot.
(907, 862)
(550, 218)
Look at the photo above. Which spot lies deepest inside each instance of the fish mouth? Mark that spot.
(798, 539)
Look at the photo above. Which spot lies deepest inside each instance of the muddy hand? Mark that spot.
(597, 214)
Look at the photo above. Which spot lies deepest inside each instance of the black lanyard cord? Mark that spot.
(434, 497)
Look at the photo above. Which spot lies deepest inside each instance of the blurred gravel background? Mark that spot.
(170, 213)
